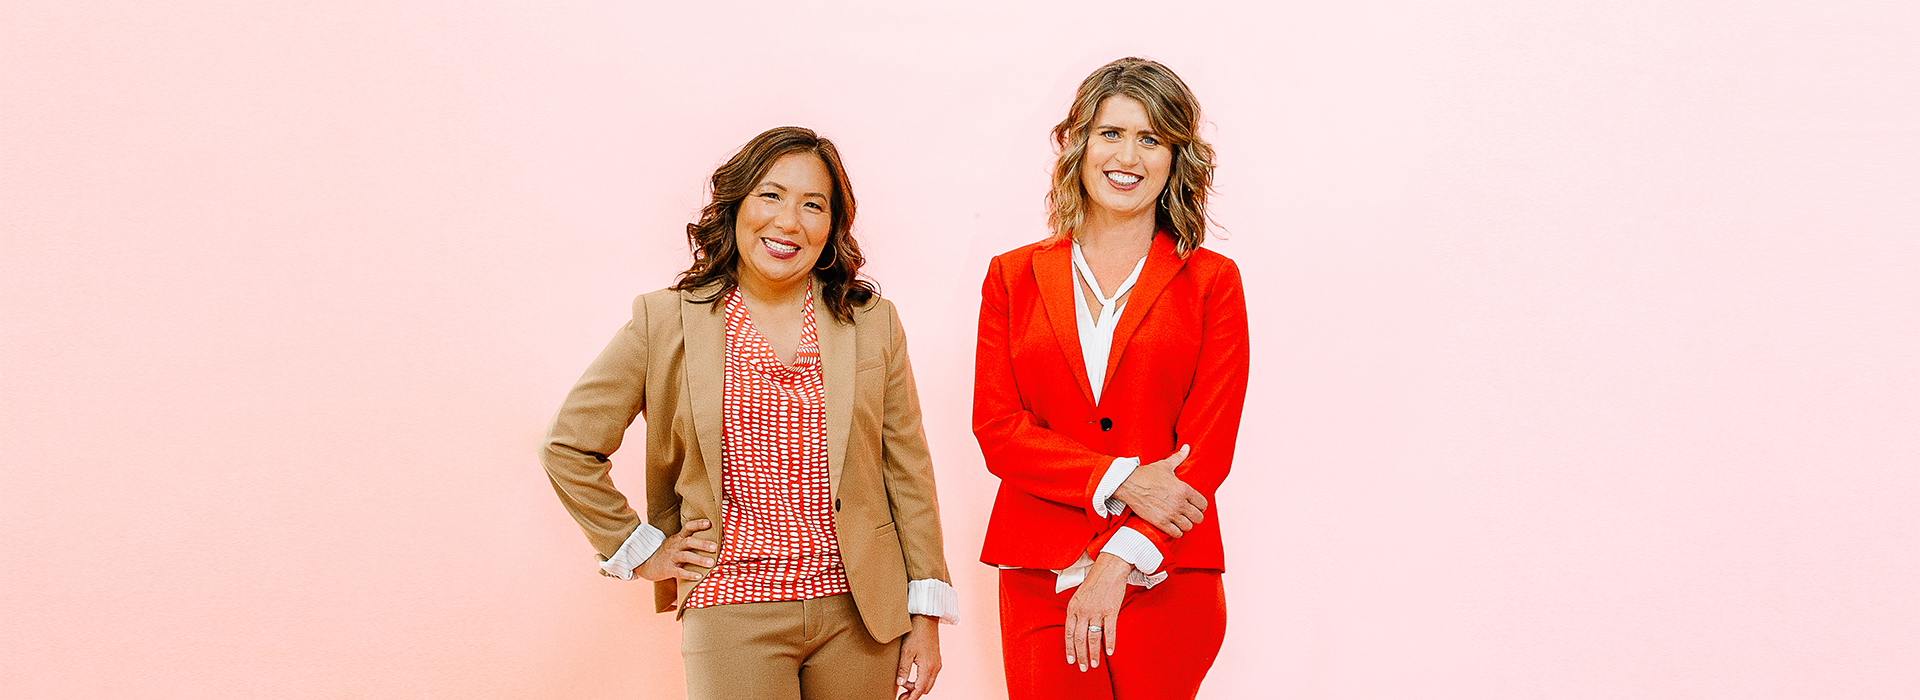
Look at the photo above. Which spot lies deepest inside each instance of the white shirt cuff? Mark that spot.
(1077, 574)
(644, 541)
(1104, 504)
(1135, 548)
(934, 598)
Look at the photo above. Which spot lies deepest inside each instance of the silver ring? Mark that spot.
(1093, 628)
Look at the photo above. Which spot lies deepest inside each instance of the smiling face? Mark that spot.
(784, 223)
(1126, 163)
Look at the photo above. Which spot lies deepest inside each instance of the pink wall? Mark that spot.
(1586, 332)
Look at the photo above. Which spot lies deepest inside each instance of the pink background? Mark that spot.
(1587, 334)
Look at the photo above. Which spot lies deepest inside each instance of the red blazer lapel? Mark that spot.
(1162, 264)
(1053, 271)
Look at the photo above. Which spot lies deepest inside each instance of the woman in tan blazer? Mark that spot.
(790, 514)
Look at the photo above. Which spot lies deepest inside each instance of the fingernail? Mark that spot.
(1069, 659)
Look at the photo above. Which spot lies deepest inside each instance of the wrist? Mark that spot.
(1109, 568)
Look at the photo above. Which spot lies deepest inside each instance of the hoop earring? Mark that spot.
(834, 261)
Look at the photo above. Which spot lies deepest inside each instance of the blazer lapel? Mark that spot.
(1162, 264)
(704, 329)
(838, 352)
(1053, 270)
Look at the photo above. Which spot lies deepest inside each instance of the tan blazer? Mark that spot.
(667, 364)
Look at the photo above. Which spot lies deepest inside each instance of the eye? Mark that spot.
(774, 196)
(1110, 134)
(816, 206)
(1149, 140)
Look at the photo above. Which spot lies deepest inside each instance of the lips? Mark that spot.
(780, 250)
(1123, 180)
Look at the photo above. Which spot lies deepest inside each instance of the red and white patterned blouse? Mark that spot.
(776, 502)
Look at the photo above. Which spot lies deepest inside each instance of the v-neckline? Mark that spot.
(760, 348)
(1109, 305)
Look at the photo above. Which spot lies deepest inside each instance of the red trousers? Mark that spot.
(1169, 636)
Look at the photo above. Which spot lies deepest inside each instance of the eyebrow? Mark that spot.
(1101, 127)
(783, 188)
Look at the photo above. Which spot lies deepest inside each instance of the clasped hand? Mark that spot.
(1161, 498)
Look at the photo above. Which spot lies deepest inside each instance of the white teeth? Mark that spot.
(1123, 178)
(778, 247)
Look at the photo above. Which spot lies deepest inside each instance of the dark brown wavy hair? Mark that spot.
(1174, 114)
(716, 256)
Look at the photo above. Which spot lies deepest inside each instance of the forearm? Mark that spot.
(588, 494)
(1040, 461)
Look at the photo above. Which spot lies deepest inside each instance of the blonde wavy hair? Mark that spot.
(1175, 116)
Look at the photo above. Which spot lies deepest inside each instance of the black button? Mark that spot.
(1106, 424)
(836, 504)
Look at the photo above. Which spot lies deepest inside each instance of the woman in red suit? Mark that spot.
(1111, 370)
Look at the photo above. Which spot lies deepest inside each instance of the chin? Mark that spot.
(1127, 208)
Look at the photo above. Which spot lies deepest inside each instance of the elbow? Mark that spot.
(557, 451)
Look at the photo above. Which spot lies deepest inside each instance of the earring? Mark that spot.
(830, 263)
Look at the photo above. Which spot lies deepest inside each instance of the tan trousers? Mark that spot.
(787, 650)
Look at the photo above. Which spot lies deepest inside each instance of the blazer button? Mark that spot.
(1106, 424)
(836, 505)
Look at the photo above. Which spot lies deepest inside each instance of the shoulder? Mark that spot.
(1014, 268)
(661, 308)
(1021, 258)
(660, 297)
(655, 302)
(1210, 267)
(878, 313)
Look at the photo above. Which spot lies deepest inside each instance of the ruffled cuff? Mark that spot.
(934, 598)
(1104, 504)
(644, 541)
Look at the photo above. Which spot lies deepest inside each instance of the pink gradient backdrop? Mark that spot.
(1585, 332)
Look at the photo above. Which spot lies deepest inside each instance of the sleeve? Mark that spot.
(1210, 418)
(907, 465)
(1104, 504)
(1023, 453)
(587, 430)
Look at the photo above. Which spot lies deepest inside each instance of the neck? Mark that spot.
(1105, 229)
(767, 293)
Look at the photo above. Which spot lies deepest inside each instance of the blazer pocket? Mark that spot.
(886, 529)
(871, 364)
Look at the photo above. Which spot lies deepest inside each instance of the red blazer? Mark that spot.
(1177, 374)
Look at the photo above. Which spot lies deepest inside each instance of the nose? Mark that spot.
(1129, 153)
(788, 217)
